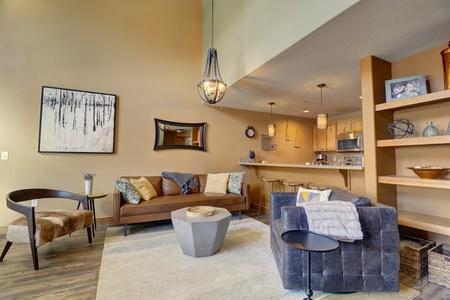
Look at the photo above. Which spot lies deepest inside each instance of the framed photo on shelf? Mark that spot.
(405, 87)
(74, 121)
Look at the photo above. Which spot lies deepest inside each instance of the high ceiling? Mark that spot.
(391, 30)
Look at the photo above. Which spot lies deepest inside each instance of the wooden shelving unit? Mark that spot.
(424, 222)
(417, 141)
(380, 154)
(415, 181)
(411, 219)
(422, 100)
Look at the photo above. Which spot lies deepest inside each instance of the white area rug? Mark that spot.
(149, 264)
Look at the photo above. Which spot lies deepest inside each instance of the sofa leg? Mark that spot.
(125, 230)
(240, 215)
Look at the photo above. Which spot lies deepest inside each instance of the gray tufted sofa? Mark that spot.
(369, 265)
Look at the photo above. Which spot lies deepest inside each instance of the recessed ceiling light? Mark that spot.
(306, 111)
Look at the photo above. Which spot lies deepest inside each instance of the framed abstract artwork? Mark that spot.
(74, 121)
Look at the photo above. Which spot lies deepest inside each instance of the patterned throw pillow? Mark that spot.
(217, 183)
(307, 195)
(235, 182)
(129, 192)
(145, 188)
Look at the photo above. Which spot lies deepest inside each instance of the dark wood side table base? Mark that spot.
(91, 206)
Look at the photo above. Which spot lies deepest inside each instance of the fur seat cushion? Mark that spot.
(49, 225)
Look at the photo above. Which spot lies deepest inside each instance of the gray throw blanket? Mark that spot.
(338, 219)
(185, 181)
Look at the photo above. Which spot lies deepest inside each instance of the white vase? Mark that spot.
(88, 186)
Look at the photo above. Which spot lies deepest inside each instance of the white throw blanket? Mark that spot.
(338, 219)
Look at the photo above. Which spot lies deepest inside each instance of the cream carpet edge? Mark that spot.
(149, 264)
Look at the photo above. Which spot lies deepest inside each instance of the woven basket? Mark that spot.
(414, 256)
(439, 265)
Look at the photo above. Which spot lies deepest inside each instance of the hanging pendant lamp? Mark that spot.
(272, 127)
(212, 88)
(322, 119)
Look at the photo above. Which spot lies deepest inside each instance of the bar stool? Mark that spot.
(272, 181)
(294, 185)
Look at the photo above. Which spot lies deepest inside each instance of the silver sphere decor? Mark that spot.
(400, 128)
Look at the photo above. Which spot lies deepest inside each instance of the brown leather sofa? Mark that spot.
(170, 199)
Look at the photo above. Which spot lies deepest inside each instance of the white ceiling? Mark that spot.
(388, 29)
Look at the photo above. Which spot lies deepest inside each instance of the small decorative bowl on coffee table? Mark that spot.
(199, 211)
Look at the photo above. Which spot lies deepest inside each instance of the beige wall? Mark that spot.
(248, 33)
(147, 53)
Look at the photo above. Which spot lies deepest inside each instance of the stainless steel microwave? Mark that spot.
(351, 142)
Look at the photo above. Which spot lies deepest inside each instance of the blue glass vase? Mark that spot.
(430, 130)
(251, 155)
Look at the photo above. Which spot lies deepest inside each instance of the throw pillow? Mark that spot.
(129, 192)
(307, 195)
(343, 195)
(235, 182)
(145, 188)
(217, 183)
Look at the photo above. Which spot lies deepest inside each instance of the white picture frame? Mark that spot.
(406, 87)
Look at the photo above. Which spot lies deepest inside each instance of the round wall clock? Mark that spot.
(250, 132)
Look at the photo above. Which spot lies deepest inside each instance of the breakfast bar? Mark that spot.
(343, 170)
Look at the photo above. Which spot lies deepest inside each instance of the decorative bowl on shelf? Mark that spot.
(428, 172)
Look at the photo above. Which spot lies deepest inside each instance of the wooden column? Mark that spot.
(377, 161)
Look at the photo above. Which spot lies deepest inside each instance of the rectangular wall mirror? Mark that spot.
(177, 135)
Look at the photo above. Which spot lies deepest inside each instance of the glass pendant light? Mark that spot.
(272, 127)
(212, 88)
(322, 119)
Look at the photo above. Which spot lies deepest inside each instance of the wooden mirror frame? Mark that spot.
(195, 140)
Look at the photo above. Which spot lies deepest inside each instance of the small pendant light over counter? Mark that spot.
(272, 127)
(212, 88)
(322, 119)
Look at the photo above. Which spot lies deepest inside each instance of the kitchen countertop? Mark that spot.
(304, 166)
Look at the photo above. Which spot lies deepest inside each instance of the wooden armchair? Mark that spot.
(39, 228)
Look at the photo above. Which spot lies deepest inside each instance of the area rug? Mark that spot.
(149, 264)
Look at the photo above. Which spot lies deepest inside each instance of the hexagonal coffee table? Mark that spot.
(203, 235)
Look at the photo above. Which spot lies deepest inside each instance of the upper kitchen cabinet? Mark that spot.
(325, 139)
(349, 126)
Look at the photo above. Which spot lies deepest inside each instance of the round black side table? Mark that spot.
(310, 242)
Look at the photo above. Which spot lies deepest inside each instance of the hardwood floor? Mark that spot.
(69, 269)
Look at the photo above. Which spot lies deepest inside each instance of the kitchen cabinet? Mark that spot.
(325, 139)
(384, 170)
(349, 126)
